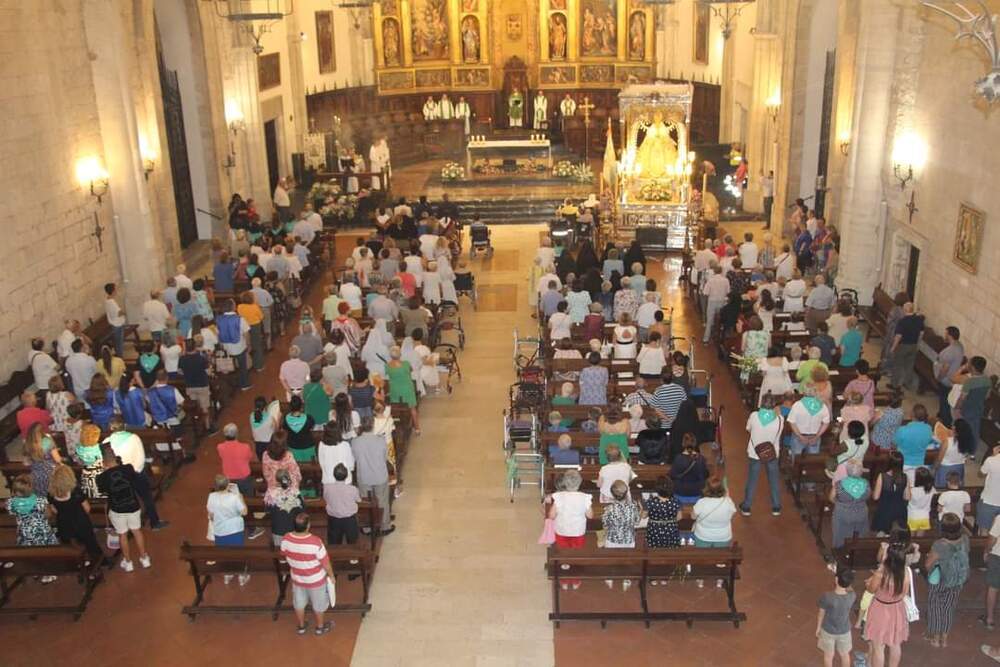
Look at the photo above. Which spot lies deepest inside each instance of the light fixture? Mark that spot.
(909, 153)
(148, 156)
(727, 12)
(234, 117)
(981, 26)
(773, 105)
(90, 172)
(845, 142)
(255, 16)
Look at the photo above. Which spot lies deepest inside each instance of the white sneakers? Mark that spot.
(128, 566)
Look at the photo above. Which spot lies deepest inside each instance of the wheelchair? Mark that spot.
(563, 230)
(479, 240)
(465, 285)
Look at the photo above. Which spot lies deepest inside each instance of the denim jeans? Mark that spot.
(773, 478)
(118, 334)
(796, 446)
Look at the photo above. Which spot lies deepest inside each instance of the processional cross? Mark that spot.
(586, 107)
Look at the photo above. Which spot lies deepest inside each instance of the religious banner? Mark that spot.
(599, 28)
(268, 71)
(324, 42)
(429, 29)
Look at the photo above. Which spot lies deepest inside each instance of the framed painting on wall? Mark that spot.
(268, 71)
(702, 26)
(430, 29)
(324, 42)
(969, 237)
(598, 27)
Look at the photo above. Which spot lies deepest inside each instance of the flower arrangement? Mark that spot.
(321, 190)
(656, 191)
(747, 367)
(583, 173)
(563, 169)
(452, 171)
(344, 206)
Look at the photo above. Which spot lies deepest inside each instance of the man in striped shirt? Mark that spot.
(668, 397)
(309, 565)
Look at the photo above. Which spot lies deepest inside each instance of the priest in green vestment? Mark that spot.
(515, 109)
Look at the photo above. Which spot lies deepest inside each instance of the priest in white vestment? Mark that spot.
(446, 110)
(378, 157)
(463, 111)
(431, 110)
(541, 111)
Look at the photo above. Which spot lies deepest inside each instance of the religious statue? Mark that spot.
(463, 112)
(637, 36)
(541, 111)
(378, 157)
(470, 39)
(390, 43)
(431, 111)
(557, 37)
(446, 110)
(599, 29)
(658, 150)
(515, 109)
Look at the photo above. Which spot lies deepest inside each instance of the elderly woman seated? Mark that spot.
(613, 471)
(563, 452)
(566, 395)
(569, 510)
(619, 519)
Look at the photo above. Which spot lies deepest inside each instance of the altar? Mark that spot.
(485, 154)
(651, 182)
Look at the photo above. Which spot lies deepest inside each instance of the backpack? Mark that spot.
(229, 328)
(954, 565)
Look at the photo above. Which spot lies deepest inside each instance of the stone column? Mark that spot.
(251, 153)
(862, 200)
(298, 85)
(728, 82)
(132, 221)
(763, 134)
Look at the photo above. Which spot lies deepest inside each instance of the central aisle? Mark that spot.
(461, 581)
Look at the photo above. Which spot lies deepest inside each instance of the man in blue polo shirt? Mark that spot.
(913, 439)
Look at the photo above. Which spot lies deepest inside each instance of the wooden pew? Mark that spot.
(643, 565)
(205, 561)
(369, 515)
(877, 313)
(861, 553)
(646, 477)
(60, 561)
(10, 396)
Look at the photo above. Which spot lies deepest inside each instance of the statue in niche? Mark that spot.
(599, 27)
(390, 42)
(658, 150)
(557, 37)
(637, 36)
(470, 39)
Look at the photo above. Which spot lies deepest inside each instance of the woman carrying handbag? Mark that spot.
(888, 622)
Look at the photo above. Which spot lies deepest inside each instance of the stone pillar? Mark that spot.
(761, 145)
(784, 18)
(728, 82)
(133, 223)
(298, 84)
(863, 200)
(251, 153)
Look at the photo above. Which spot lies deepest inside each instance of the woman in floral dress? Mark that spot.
(663, 510)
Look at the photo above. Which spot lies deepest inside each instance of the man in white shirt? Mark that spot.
(314, 218)
(748, 251)
(282, 201)
(65, 341)
(43, 366)
(294, 372)
(304, 228)
(279, 263)
(703, 258)
(809, 419)
(128, 447)
(560, 323)
(716, 290)
(116, 318)
(645, 316)
(382, 307)
(819, 304)
(155, 315)
(81, 368)
(612, 471)
(767, 189)
(431, 111)
(811, 224)
(784, 263)
(402, 208)
(351, 293)
(181, 280)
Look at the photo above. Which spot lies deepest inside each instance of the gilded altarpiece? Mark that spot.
(432, 45)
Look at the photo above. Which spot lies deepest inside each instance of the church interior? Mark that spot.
(466, 332)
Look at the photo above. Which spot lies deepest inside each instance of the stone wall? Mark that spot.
(53, 267)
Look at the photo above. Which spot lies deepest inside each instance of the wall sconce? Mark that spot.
(89, 172)
(845, 142)
(234, 117)
(773, 105)
(908, 155)
(148, 156)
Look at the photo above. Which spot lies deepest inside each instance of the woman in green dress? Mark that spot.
(401, 389)
(614, 428)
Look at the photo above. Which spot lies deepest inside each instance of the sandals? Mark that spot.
(323, 629)
(301, 630)
(988, 625)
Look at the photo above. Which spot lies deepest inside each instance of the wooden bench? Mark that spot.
(206, 561)
(369, 515)
(53, 561)
(643, 565)
(10, 397)
(877, 314)
(862, 552)
(646, 477)
(101, 333)
(923, 367)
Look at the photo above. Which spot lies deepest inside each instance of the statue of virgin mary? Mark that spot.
(658, 149)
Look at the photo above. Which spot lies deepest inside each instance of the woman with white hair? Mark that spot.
(226, 509)
(546, 254)
(432, 284)
(794, 294)
(294, 373)
(570, 509)
(850, 505)
(375, 352)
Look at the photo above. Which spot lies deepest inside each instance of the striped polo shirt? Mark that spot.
(667, 399)
(306, 555)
